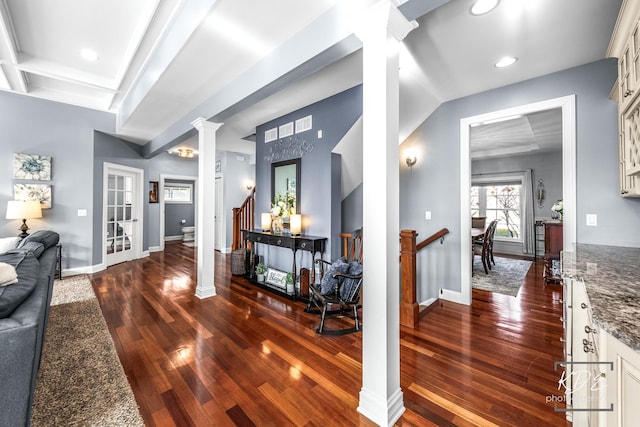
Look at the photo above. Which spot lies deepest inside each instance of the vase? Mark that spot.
(276, 224)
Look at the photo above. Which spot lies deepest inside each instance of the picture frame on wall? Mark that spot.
(31, 166)
(40, 192)
(218, 166)
(153, 191)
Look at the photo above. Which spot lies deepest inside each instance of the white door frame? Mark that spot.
(220, 241)
(138, 212)
(165, 177)
(569, 179)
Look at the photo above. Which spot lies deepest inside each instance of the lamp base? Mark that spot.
(24, 229)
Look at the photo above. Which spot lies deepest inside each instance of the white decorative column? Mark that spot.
(205, 227)
(381, 31)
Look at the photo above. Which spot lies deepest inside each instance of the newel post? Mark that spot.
(409, 307)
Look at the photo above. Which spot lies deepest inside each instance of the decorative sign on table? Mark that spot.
(276, 277)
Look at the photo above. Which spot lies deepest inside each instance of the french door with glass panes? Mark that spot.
(122, 238)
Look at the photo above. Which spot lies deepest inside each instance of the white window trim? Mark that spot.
(178, 185)
(501, 179)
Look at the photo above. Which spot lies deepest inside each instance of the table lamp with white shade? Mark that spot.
(24, 210)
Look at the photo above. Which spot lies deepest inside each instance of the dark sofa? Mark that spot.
(24, 311)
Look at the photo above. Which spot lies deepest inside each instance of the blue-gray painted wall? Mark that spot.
(320, 174)
(64, 132)
(434, 183)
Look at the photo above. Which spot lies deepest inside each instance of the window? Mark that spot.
(178, 193)
(501, 201)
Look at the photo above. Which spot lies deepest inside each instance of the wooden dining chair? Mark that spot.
(478, 221)
(484, 246)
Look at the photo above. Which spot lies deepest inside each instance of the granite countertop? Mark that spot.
(611, 276)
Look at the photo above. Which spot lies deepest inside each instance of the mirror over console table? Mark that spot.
(313, 244)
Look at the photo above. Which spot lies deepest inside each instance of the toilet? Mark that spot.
(188, 233)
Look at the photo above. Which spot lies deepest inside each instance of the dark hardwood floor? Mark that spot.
(247, 357)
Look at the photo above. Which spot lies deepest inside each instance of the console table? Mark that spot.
(313, 244)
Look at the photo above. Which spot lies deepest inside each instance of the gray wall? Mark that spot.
(320, 174)
(34, 126)
(434, 182)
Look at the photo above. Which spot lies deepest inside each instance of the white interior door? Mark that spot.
(219, 220)
(122, 207)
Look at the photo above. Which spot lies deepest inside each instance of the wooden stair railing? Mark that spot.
(243, 218)
(409, 307)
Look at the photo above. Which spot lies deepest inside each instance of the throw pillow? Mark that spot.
(8, 275)
(347, 287)
(8, 243)
(328, 284)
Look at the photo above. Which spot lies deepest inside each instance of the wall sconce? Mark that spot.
(265, 221)
(540, 193)
(295, 224)
(24, 210)
(411, 158)
(249, 185)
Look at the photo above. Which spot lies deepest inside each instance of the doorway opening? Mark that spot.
(567, 105)
(183, 208)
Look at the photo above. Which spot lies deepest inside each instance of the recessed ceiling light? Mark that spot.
(506, 61)
(481, 7)
(89, 54)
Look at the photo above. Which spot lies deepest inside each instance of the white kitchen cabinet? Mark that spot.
(624, 390)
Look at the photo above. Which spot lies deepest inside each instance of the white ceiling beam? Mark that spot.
(185, 19)
(15, 78)
(325, 41)
(55, 71)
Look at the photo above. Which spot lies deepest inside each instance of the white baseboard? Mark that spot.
(172, 238)
(452, 296)
(428, 302)
(155, 249)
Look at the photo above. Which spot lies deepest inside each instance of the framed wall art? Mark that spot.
(153, 191)
(33, 192)
(31, 166)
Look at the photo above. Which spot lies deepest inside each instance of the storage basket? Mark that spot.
(239, 262)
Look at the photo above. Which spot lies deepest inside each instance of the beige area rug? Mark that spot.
(81, 381)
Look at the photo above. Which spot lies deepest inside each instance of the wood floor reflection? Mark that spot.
(247, 357)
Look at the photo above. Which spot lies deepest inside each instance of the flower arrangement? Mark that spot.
(558, 207)
(283, 205)
(260, 268)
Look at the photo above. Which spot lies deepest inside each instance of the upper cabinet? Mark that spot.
(625, 45)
